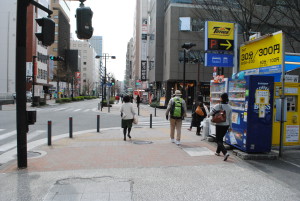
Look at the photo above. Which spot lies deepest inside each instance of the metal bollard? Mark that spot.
(98, 123)
(49, 132)
(150, 120)
(98, 106)
(155, 111)
(101, 106)
(138, 110)
(108, 108)
(70, 127)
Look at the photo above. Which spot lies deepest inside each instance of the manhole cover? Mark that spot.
(142, 142)
(32, 154)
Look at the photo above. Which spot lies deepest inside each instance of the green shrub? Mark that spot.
(66, 100)
(58, 101)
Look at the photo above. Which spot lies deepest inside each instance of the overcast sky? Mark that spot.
(113, 20)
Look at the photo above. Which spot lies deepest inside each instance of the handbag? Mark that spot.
(219, 116)
(135, 120)
(199, 111)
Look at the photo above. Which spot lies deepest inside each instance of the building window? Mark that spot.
(79, 45)
(74, 45)
(84, 69)
(84, 57)
(55, 16)
(84, 51)
(184, 24)
(84, 63)
(54, 49)
(190, 24)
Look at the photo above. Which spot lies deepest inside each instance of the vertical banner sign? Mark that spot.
(143, 70)
(219, 44)
(265, 55)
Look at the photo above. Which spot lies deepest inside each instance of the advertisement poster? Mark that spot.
(162, 101)
(292, 133)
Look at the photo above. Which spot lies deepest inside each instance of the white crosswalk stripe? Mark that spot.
(7, 135)
(12, 144)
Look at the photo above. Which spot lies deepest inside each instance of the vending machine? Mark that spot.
(217, 87)
(251, 99)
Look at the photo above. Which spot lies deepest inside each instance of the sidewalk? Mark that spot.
(101, 166)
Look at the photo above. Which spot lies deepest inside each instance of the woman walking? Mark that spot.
(127, 114)
(196, 118)
(221, 128)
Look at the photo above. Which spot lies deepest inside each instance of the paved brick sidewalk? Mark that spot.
(108, 150)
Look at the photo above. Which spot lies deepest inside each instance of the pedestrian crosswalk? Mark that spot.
(67, 109)
(8, 139)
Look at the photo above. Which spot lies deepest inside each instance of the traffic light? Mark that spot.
(48, 30)
(58, 58)
(84, 17)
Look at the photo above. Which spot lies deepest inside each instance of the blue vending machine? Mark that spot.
(251, 99)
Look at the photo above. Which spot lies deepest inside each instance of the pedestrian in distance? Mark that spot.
(222, 127)
(127, 114)
(122, 98)
(191, 127)
(138, 100)
(177, 111)
(196, 117)
(117, 99)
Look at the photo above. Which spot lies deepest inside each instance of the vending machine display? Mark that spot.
(216, 90)
(251, 100)
(217, 87)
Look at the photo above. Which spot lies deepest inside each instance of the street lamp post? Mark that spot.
(186, 47)
(104, 55)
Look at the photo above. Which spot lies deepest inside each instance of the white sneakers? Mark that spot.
(176, 142)
(226, 156)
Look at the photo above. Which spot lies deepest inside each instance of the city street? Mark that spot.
(101, 166)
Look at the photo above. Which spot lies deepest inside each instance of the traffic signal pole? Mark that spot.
(21, 113)
(21, 83)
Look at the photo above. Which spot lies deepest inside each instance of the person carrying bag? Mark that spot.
(223, 123)
(199, 113)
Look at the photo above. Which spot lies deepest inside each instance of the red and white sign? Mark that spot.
(77, 75)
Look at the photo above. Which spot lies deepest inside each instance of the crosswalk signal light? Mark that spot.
(46, 36)
(84, 17)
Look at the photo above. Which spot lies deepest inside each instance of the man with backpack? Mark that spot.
(177, 110)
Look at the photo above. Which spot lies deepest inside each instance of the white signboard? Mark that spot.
(291, 78)
(292, 133)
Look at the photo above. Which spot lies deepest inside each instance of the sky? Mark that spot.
(113, 20)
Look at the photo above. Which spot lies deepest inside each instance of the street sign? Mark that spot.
(219, 44)
(219, 60)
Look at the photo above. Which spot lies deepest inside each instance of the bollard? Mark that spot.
(101, 106)
(98, 106)
(138, 110)
(155, 111)
(49, 132)
(108, 108)
(150, 120)
(70, 127)
(98, 123)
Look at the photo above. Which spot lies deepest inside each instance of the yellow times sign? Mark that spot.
(262, 53)
(220, 30)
